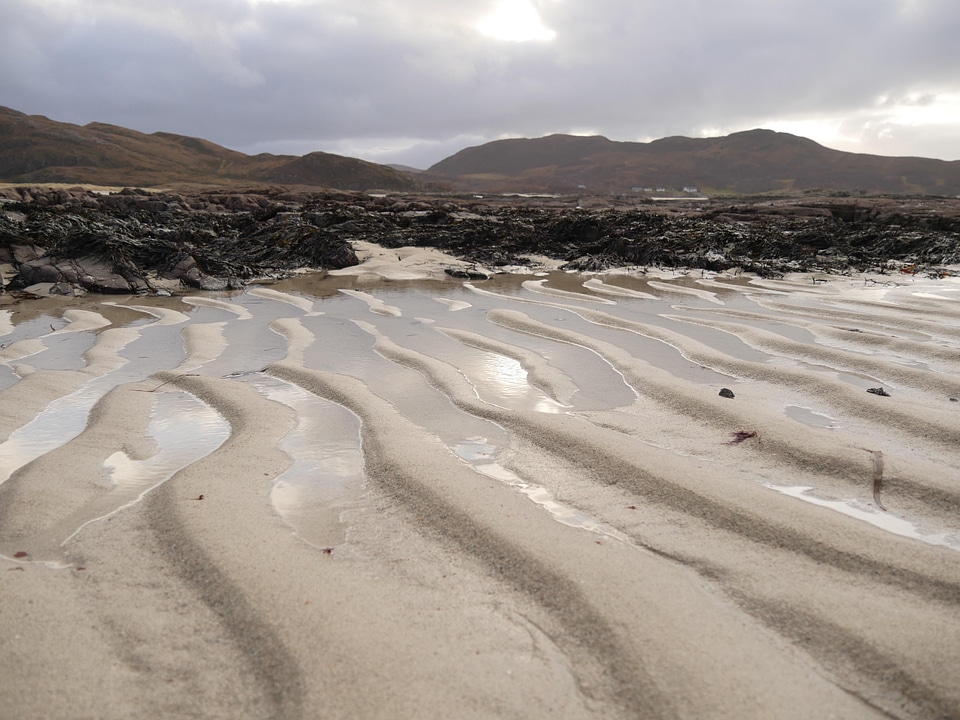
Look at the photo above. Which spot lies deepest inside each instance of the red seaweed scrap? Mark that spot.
(740, 435)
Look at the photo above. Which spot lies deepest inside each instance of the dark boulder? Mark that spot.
(91, 274)
(466, 273)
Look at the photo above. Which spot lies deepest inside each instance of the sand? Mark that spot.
(392, 494)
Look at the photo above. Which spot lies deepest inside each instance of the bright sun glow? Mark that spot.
(516, 21)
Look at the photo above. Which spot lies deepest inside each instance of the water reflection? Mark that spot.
(542, 497)
(809, 417)
(870, 514)
(61, 421)
(501, 380)
(326, 474)
(184, 430)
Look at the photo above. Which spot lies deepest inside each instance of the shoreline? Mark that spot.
(484, 411)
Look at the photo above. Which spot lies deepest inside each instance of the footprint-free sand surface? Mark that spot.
(384, 493)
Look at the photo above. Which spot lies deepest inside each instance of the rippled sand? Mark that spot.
(378, 496)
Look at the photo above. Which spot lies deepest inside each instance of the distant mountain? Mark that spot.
(404, 168)
(756, 161)
(35, 149)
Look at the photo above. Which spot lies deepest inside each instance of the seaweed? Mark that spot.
(877, 477)
(740, 435)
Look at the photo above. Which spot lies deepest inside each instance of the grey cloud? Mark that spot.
(328, 74)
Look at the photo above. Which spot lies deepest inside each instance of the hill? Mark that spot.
(35, 149)
(756, 161)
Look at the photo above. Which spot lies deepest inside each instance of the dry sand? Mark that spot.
(390, 495)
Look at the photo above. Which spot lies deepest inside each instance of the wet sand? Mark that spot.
(385, 493)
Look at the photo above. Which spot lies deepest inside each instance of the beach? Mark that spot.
(385, 492)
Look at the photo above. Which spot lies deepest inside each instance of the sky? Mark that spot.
(414, 81)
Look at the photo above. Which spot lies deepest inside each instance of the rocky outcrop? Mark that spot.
(138, 241)
(88, 273)
(135, 242)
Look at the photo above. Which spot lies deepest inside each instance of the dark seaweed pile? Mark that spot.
(118, 242)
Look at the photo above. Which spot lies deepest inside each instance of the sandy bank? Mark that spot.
(548, 515)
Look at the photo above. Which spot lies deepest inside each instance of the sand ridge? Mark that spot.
(706, 593)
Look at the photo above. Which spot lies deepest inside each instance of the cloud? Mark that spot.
(411, 78)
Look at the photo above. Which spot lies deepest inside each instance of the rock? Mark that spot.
(211, 237)
(25, 253)
(212, 283)
(878, 391)
(38, 270)
(185, 268)
(466, 273)
(97, 276)
(339, 256)
(726, 393)
(90, 274)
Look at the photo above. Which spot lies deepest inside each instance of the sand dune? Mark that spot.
(416, 498)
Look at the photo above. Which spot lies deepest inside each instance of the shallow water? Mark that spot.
(869, 513)
(326, 474)
(809, 417)
(586, 333)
